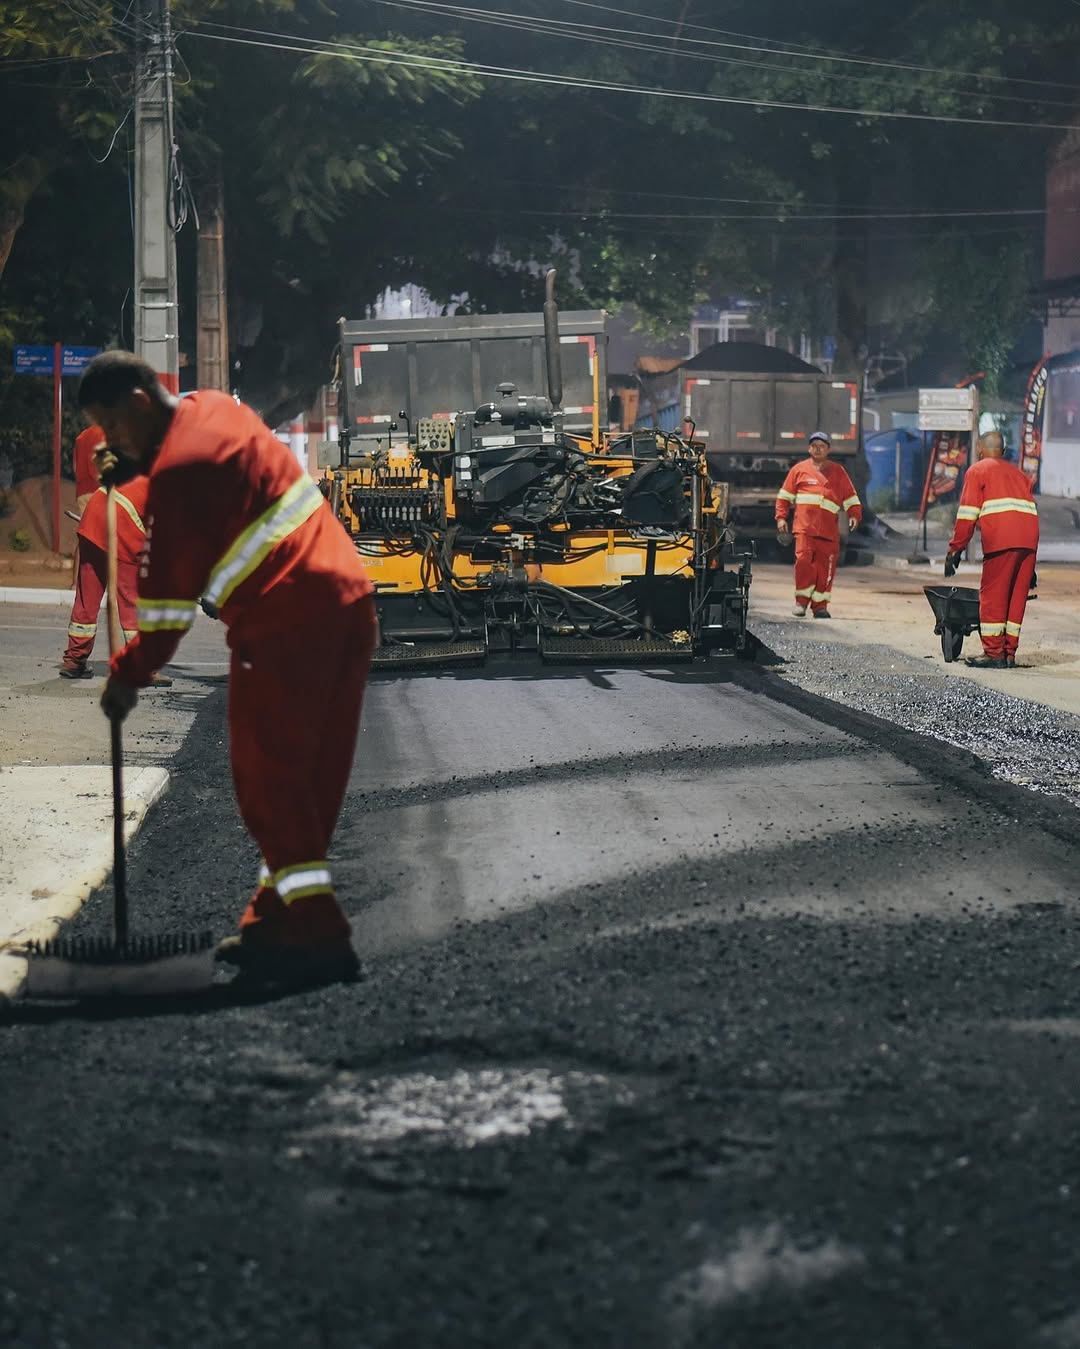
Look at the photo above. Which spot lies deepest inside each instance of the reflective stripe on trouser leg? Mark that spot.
(805, 574)
(823, 554)
(306, 878)
(1018, 598)
(1003, 590)
(89, 588)
(290, 772)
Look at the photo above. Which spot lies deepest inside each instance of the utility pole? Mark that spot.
(156, 315)
(212, 342)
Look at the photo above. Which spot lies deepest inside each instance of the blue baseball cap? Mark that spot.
(822, 435)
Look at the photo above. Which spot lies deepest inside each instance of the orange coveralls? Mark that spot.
(817, 495)
(86, 476)
(92, 576)
(232, 518)
(997, 497)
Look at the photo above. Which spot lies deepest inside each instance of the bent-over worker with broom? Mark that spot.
(233, 520)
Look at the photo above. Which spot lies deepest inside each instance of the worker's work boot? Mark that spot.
(987, 662)
(75, 672)
(822, 613)
(799, 611)
(1010, 662)
(263, 964)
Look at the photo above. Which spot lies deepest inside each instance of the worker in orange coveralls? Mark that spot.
(92, 576)
(997, 497)
(233, 522)
(818, 491)
(86, 474)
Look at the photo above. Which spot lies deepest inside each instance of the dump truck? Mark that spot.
(495, 519)
(755, 423)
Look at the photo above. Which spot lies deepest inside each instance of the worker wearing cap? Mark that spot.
(91, 578)
(818, 492)
(997, 497)
(233, 521)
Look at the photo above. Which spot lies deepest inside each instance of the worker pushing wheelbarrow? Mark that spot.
(997, 499)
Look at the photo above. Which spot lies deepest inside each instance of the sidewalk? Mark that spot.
(884, 605)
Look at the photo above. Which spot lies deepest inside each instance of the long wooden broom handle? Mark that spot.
(116, 641)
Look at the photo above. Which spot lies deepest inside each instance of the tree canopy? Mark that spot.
(874, 172)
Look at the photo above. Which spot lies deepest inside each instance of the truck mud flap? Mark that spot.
(622, 651)
(413, 655)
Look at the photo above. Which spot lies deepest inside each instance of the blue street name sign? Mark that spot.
(74, 360)
(34, 360)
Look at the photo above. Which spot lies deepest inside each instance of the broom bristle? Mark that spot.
(105, 951)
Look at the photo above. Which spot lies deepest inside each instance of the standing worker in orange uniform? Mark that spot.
(233, 521)
(997, 497)
(86, 474)
(91, 577)
(818, 491)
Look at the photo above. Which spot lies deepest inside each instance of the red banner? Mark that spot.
(1031, 433)
(948, 459)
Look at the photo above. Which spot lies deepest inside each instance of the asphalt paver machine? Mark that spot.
(520, 525)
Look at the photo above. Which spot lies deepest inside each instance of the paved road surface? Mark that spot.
(696, 1013)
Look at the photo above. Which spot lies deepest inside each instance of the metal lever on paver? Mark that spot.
(79, 967)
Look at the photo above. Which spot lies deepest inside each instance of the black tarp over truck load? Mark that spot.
(437, 367)
(755, 422)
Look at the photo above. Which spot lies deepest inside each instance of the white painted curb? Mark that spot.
(56, 848)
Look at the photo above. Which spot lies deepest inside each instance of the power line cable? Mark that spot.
(592, 34)
(362, 53)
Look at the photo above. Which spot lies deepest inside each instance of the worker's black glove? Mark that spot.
(952, 561)
(785, 538)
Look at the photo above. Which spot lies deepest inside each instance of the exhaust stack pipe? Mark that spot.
(551, 343)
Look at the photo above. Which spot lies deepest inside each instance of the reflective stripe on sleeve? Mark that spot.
(306, 878)
(255, 544)
(830, 506)
(166, 615)
(851, 501)
(998, 505)
(785, 496)
(967, 512)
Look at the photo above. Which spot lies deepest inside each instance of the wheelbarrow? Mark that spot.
(956, 609)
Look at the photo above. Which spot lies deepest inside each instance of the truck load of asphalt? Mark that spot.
(751, 358)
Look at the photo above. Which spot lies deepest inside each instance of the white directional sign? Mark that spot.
(946, 420)
(947, 400)
(947, 409)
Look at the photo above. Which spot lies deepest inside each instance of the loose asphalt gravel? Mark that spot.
(1022, 742)
(698, 1013)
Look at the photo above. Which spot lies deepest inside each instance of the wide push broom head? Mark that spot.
(84, 967)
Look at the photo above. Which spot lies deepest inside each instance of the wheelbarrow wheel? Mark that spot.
(952, 644)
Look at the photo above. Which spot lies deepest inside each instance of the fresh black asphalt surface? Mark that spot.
(698, 1011)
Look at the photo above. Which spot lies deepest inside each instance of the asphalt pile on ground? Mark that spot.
(1022, 742)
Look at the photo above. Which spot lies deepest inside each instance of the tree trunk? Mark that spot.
(20, 184)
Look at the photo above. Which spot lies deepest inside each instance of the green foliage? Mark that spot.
(381, 159)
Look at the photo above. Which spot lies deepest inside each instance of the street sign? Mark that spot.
(74, 360)
(946, 420)
(946, 400)
(34, 360)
